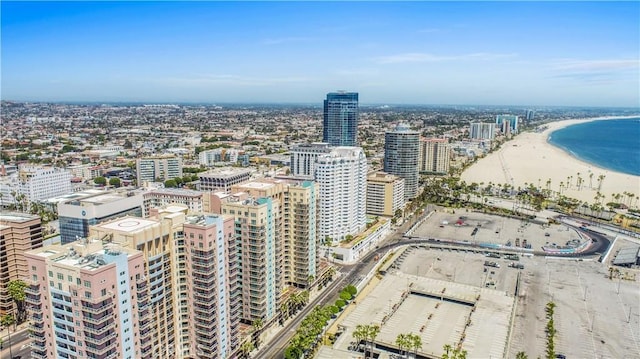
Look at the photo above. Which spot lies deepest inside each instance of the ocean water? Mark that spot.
(610, 144)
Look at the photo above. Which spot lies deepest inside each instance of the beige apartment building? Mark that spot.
(19, 232)
(385, 194)
(277, 223)
(434, 156)
(299, 245)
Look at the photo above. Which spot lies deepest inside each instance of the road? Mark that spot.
(18, 342)
(349, 275)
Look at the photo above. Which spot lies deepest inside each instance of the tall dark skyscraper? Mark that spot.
(341, 119)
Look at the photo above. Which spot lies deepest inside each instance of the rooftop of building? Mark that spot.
(627, 255)
(159, 157)
(224, 172)
(127, 224)
(372, 226)
(16, 217)
(87, 254)
(382, 177)
(202, 219)
(93, 197)
(175, 191)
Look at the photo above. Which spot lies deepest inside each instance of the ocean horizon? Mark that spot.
(610, 144)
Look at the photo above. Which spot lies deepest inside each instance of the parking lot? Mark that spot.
(476, 228)
(597, 314)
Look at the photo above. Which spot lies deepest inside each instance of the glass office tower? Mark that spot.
(341, 119)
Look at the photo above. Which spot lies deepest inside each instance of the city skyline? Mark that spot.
(485, 53)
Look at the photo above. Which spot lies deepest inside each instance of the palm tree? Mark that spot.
(372, 332)
(600, 179)
(246, 348)
(359, 334)
(453, 353)
(284, 311)
(521, 355)
(402, 342)
(415, 342)
(304, 296)
(590, 179)
(331, 272)
(257, 326)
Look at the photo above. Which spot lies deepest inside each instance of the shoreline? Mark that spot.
(567, 123)
(529, 159)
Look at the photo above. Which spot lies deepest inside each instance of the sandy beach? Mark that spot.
(530, 159)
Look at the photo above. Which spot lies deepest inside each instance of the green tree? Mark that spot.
(16, 292)
(100, 181)
(521, 355)
(170, 183)
(246, 348)
(114, 181)
(351, 289)
(257, 327)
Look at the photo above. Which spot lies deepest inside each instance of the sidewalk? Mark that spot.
(21, 327)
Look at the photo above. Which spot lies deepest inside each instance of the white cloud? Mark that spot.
(595, 71)
(285, 40)
(426, 57)
(596, 65)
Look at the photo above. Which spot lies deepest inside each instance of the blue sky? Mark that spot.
(493, 53)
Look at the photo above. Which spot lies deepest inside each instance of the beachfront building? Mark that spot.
(222, 179)
(385, 194)
(78, 211)
(158, 168)
(508, 124)
(342, 177)
(530, 114)
(434, 156)
(340, 119)
(401, 148)
(304, 157)
(19, 232)
(482, 131)
(258, 227)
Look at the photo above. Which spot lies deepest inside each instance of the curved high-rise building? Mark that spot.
(401, 151)
(340, 124)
